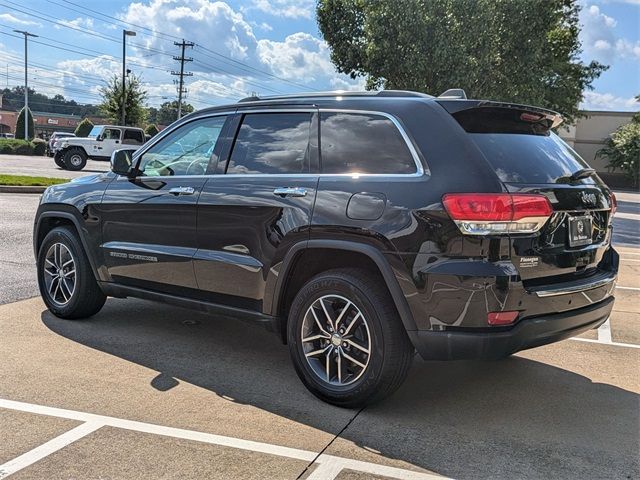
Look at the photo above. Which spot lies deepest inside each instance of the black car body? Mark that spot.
(488, 232)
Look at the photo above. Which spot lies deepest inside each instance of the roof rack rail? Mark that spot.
(338, 93)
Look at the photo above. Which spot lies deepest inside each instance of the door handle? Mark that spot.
(182, 190)
(290, 191)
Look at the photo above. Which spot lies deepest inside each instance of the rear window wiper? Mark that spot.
(582, 173)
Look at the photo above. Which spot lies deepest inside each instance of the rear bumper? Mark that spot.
(528, 333)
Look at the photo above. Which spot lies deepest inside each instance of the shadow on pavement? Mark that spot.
(513, 418)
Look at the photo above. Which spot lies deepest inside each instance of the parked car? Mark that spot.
(7, 135)
(57, 137)
(102, 141)
(360, 227)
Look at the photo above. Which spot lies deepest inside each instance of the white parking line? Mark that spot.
(328, 466)
(604, 332)
(614, 344)
(628, 288)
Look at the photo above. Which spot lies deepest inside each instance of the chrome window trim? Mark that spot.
(420, 170)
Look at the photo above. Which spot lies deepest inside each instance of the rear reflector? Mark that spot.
(496, 213)
(501, 318)
(614, 204)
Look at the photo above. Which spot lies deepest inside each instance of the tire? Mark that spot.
(76, 295)
(376, 326)
(59, 161)
(75, 159)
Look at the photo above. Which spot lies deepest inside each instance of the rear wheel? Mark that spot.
(346, 340)
(75, 159)
(66, 281)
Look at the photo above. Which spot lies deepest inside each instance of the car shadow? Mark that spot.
(513, 418)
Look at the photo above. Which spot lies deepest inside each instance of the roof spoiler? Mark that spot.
(454, 93)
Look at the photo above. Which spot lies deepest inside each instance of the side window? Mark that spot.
(185, 151)
(111, 134)
(362, 143)
(272, 143)
(133, 137)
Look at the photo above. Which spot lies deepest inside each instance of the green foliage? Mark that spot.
(39, 146)
(84, 128)
(14, 146)
(26, 181)
(509, 50)
(151, 130)
(168, 112)
(622, 150)
(111, 105)
(13, 99)
(20, 125)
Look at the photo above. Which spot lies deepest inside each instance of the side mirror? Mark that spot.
(121, 162)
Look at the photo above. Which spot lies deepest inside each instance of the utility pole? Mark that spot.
(125, 34)
(26, 82)
(182, 73)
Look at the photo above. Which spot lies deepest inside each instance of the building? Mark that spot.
(588, 136)
(45, 123)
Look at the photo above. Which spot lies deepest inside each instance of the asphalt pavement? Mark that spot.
(45, 167)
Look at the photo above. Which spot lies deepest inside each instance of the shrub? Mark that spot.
(20, 125)
(151, 130)
(39, 146)
(16, 146)
(83, 128)
(622, 149)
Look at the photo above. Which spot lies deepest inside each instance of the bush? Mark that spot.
(622, 149)
(20, 125)
(151, 130)
(39, 146)
(14, 146)
(84, 128)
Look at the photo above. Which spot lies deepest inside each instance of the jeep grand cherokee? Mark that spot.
(359, 227)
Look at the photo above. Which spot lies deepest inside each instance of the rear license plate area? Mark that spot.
(580, 230)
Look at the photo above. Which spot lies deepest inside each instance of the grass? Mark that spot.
(25, 181)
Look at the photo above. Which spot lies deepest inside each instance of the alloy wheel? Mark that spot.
(59, 274)
(336, 340)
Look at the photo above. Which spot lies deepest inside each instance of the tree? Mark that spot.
(168, 112)
(622, 149)
(151, 130)
(111, 105)
(83, 128)
(20, 125)
(511, 50)
(13, 99)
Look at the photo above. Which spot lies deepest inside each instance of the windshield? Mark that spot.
(521, 158)
(95, 131)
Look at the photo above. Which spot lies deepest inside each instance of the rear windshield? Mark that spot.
(525, 158)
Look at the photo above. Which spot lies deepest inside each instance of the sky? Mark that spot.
(241, 47)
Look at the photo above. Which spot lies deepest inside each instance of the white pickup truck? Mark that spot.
(102, 141)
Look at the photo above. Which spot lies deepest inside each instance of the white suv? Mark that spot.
(102, 141)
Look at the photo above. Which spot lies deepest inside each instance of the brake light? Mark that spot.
(614, 204)
(501, 318)
(497, 213)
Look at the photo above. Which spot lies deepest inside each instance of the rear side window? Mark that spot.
(363, 143)
(133, 137)
(522, 158)
(274, 143)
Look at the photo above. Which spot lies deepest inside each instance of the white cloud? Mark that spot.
(286, 8)
(7, 17)
(600, 40)
(608, 101)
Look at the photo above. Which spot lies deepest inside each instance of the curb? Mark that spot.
(17, 189)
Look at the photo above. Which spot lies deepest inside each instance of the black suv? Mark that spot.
(359, 227)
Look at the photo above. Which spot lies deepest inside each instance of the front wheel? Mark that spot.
(59, 161)
(346, 339)
(75, 159)
(65, 278)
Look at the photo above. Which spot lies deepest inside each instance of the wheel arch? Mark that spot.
(363, 255)
(48, 220)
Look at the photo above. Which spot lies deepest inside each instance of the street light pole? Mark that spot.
(26, 82)
(125, 34)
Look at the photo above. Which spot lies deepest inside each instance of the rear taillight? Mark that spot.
(497, 213)
(614, 204)
(502, 318)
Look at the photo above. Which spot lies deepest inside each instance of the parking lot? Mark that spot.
(144, 390)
